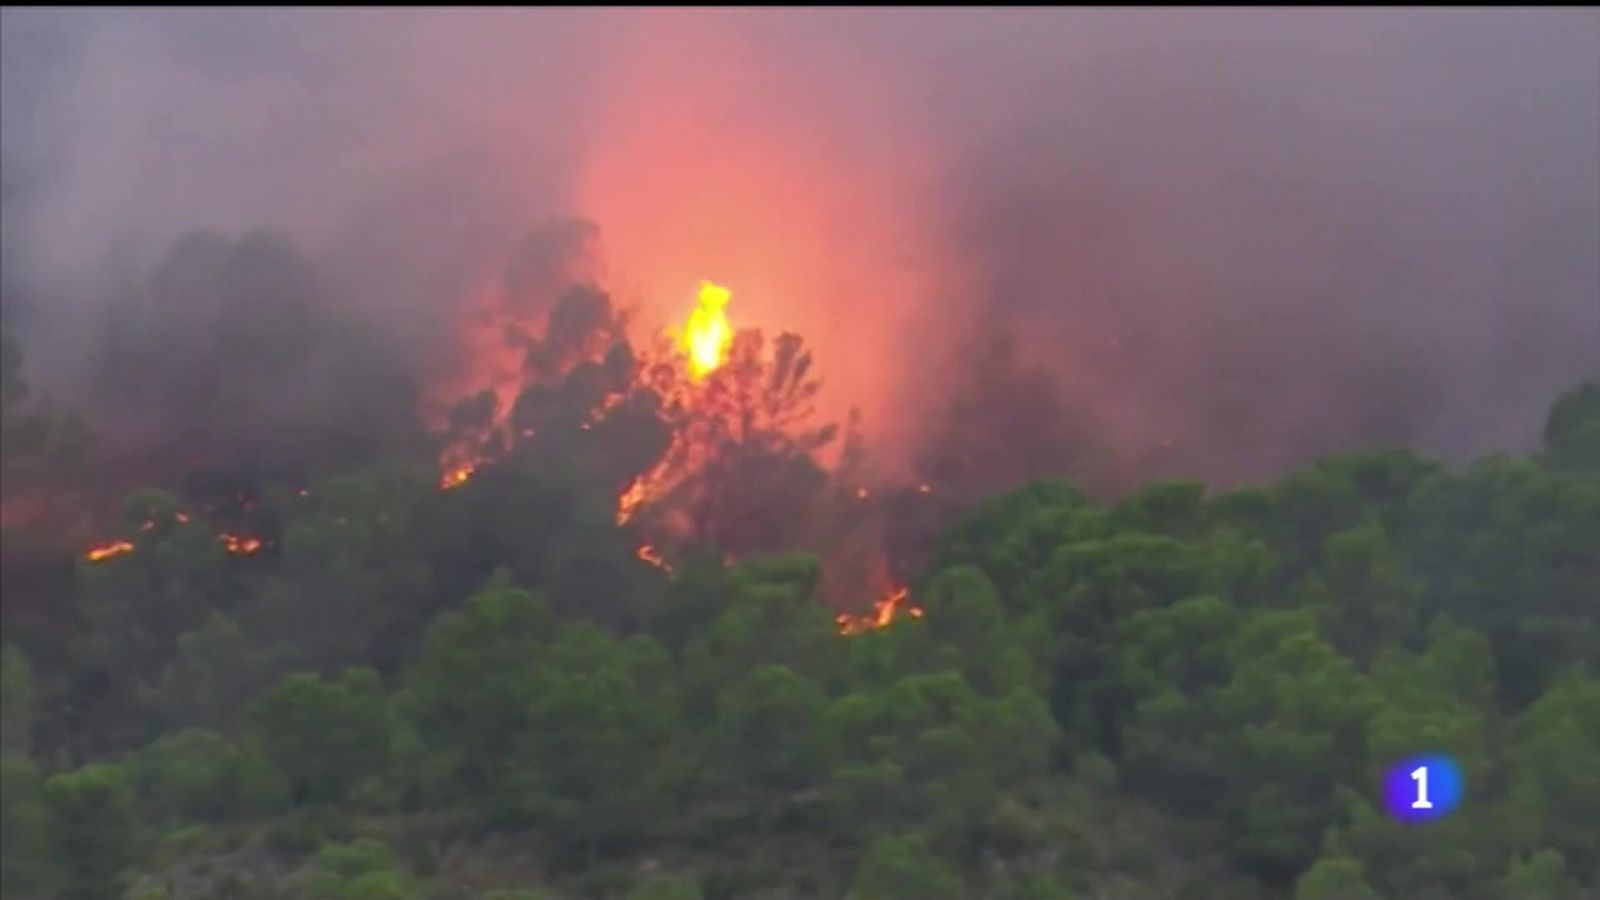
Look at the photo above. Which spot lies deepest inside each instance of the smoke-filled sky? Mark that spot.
(1233, 239)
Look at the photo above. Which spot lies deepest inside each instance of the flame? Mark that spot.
(649, 554)
(457, 476)
(884, 611)
(707, 335)
(628, 503)
(238, 544)
(107, 550)
(705, 342)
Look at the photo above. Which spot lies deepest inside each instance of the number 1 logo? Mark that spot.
(1423, 788)
(1420, 776)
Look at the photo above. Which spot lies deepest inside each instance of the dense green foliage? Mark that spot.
(483, 693)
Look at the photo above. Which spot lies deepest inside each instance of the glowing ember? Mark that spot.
(861, 493)
(650, 555)
(884, 612)
(150, 524)
(457, 476)
(707, 335)
(239, 544)
(923, 488)
(107, 550)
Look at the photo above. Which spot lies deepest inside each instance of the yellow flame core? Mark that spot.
(454, 478)
(707, 336)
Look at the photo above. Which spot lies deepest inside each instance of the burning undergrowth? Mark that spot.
(709, 436)
(705, 435)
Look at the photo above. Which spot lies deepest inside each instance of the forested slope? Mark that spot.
(485, 693)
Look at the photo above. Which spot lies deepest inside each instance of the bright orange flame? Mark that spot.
(107, 550)
(707, 335)
(239, 544)
(457, 476)
(629, 502)
(884, 611)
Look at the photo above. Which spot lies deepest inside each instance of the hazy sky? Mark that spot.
(1237, 238)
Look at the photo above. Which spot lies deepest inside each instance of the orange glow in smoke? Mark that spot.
(744, 173)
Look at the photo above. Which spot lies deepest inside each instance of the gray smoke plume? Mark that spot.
(1221, 242)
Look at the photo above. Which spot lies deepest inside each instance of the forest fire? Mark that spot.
(235, 544)
(884, 611)
(705, 340)
(707, 379)
(394, 505)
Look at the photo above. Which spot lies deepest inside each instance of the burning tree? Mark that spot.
(744, 455)
(711, 431)
(574, 377)
(707, 439)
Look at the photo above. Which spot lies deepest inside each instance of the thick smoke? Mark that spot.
(1209, 243)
